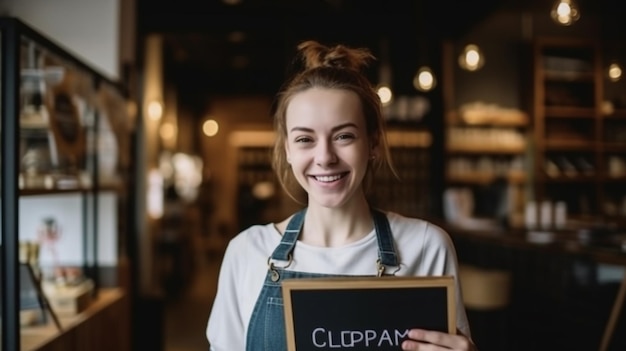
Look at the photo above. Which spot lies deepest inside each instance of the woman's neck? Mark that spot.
(331, 227)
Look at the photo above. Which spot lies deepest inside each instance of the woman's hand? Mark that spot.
(429, 340)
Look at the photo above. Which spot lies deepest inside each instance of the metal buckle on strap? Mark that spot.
(274, 269)
(380, 268)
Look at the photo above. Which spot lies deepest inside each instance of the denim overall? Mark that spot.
(266, 330)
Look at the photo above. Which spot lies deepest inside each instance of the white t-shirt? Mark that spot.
(423, 250)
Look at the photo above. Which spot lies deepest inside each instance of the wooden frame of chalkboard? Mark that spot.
(365, 313)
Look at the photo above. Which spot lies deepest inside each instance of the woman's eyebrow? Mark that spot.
(334, 129)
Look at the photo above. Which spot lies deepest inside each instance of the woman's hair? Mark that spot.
(335, 67)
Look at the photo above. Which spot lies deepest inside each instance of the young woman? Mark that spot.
(330, 141)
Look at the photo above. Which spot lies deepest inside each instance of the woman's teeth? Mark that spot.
(328, 179)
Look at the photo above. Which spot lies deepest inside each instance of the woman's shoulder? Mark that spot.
(401, 219)
(405, 225)
(255, 236)
(255, 232)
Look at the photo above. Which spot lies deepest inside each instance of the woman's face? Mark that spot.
(327, 145)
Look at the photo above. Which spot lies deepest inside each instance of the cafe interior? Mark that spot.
(507, 126)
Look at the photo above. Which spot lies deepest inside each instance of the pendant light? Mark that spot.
(424, 79)
(384, 76)
(565, 12)
(614, 72)
(472, 58)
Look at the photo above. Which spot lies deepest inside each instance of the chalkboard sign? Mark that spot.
(365, 313)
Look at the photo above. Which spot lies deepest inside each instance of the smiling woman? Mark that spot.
(330, 141)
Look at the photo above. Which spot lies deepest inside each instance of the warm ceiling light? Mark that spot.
(384, 84)
(615, 72)
(385, 94)
(471, 59)
(155, 110)
(424, 80)
(565, 12)
(210, 127)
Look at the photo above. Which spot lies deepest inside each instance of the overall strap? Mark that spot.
(386, 250)
(288, 241)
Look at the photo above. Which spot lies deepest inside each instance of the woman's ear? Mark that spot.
(374, 150)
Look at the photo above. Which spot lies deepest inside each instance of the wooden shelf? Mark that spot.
(568, 76)
(617, 114)
(487, 149)
(614, 179)
(453, 118)
(480, 178)
(570, 179)
(614, 147)
(569, 112)
(568, 145)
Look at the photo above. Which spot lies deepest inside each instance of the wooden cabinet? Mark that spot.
(573, 136)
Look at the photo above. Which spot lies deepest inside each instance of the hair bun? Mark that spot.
(338, 56)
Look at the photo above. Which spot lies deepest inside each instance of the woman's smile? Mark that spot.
(329, 178)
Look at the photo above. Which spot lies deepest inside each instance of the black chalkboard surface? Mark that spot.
(363, 313)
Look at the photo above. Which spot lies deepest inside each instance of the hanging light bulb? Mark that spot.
(565, 12)
(424, 79)
(614, 72)
(385, 94)
(384, 87)
(471, 59)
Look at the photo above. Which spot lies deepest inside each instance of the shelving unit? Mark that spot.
(575, 136)
(64, 139)
(485, 145)
(486, 152)
(480, 151)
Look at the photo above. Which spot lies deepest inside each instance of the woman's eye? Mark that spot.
(303, 140)
(345, 136)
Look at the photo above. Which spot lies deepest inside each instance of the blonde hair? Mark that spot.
(334, 67)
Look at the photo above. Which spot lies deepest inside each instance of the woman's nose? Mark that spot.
(325, 154)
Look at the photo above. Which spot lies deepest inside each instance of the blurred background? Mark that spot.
(507, 122)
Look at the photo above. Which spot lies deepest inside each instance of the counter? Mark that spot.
(103, 326)
(545, 255)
